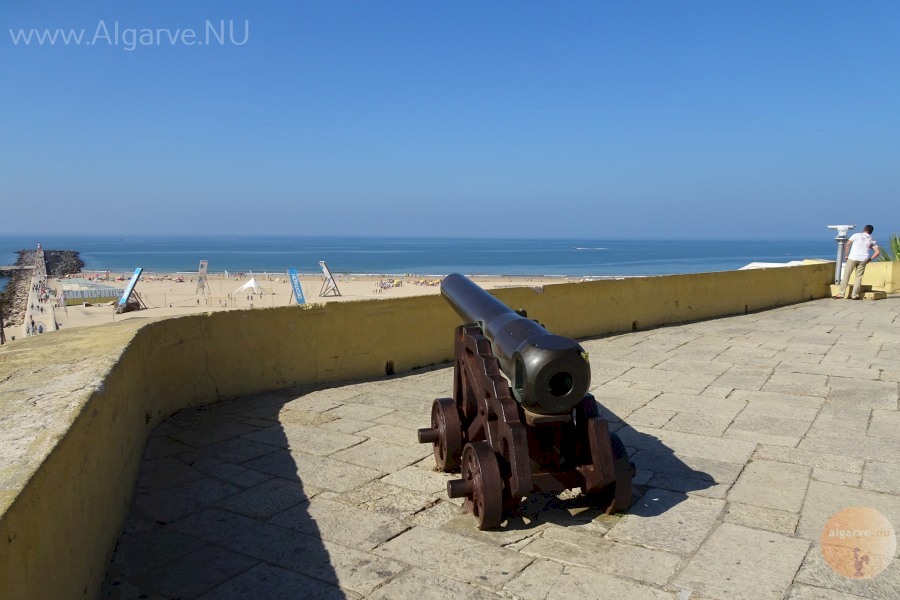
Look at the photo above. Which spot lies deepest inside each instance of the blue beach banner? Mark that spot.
(130, 287)
(295, 283)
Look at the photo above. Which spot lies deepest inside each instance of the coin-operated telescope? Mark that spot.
(841, 240)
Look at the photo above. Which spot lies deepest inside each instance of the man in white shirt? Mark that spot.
(858, 247)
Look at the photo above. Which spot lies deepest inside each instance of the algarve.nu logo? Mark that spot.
(858, 542)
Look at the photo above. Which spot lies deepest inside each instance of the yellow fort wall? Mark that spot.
(882, 276)
(78, 406)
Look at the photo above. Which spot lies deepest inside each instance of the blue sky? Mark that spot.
(696, 119)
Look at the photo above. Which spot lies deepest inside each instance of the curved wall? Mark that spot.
(78, 406)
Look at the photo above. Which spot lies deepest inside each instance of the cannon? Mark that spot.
(520, 419)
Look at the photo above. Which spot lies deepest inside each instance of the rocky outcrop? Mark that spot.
(62, 262)
(15, 298)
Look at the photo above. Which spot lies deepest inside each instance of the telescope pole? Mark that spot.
(841, 240)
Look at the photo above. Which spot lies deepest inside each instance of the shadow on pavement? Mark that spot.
(203, 523)
(657, 468)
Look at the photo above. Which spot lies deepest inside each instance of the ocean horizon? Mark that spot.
(574, 257)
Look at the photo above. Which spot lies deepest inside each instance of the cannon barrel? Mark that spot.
(549, 374)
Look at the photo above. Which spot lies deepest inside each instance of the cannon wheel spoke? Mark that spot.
(479, 465)
(445, 419)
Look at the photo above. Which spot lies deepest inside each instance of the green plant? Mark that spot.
(892, 250)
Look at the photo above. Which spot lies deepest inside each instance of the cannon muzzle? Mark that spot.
(549, 374)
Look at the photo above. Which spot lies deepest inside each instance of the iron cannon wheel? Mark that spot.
(445, 419)
(485, 501)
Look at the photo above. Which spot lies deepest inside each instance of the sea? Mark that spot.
(576, 257)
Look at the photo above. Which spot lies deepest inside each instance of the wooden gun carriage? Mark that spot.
(520, 420)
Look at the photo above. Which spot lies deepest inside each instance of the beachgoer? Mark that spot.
(858, 247)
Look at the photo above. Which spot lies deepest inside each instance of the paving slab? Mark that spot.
(268, 498)
(864, 393)
(267, 581)
(150, 549)
(226, 471)
(621, 398)
(437, 515)
(660, 460)
(176, 502)
(737, 562)
(744, 378)
(807, 592)
(167, 471)
(305, 417)
(658, 520)
(882, 477)
(817, 572)
(340, 523)
(813, 459)
(383, 456)
(409, 420)
(309, 555)
(685, 365)
(748, 434)
(856, 446)
(389, 499)
(686, 386)
(770, 425)
(536, 581)
(759, 517)
(688, 444)
(761, 438)
(824, 500)
(420, 479)
(769, 484)
(701, 424)
(515, 533)
(473, 562)
(784, 406)
(237, 450)
(310, 440)
(625, 560)
(359, 412)
(400, 436)
(650, 417)
(427, 585)
(578, 582)
(318, 471)
(346, 425)
(836, 477)
(801, 384)
(194, 573)
(841, 418)
(885, 424)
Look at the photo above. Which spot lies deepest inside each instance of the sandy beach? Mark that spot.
(165, 296)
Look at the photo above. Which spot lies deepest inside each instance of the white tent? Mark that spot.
(250, 286)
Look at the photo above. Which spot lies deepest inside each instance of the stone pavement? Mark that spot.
(748, 432)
